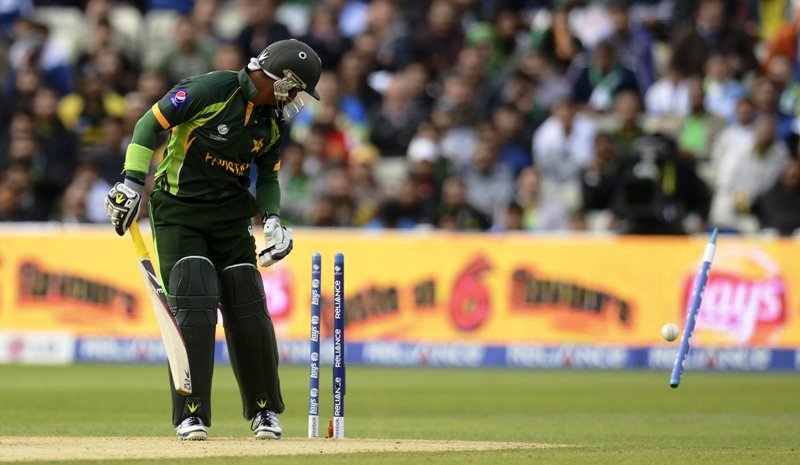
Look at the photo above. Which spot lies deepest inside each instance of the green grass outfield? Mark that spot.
(629, 417)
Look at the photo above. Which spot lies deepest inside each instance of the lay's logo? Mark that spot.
(179, 98)
(744, 301)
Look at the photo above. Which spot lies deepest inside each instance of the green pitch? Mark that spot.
(603, 417)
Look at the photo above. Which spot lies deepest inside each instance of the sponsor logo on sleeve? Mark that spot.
(179, 97)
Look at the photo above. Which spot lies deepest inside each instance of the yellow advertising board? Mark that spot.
(437, 287)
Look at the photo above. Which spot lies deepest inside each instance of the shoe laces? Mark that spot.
(192, 421)
(265, 418)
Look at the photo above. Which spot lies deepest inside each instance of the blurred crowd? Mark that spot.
(624, 116)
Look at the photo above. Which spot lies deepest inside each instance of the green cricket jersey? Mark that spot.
(216, 135)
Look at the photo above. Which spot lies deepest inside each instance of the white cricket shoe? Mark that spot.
(192, 429)
(266, 425)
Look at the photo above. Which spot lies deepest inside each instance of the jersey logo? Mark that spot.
(257, 144)
(261, 403)
(180, 97)
(193, 407)
(222, 129)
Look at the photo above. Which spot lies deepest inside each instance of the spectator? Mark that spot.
(73, 204)
(188, 56)
(115, 66)
(514, 219)
(627, 115)
(395, 122)
(711, 32)
(441, 39)
(784, 44)
(368, 193)
(136, 104)
(599, 82)
(21, 122)
(21, 199)
(426, 169)
(83, 199)
(721, 88)
(33, 48)
(203, 19)
(700, 128)
(356, 97)
(229, 56)
(777, 209)
(766, 97)
(488, 183)
(333, 144)
(83, 111)
(260, 27)
(296, 185)
(152, 85)
(456, 140)
(730, 139)
(10, 205)
(454, 213)
(660, 192)
(539, 213)
(404, 210)
(323, 212)
(106, 157)
(668, 97)
(58, 145)
(337, 190)
(513, 149)
(600, 179)
(633, 43)
(324, 37)
(20, 96)
(557, 41)
(461, 89)
(418, 79)
(544, 83)
(389, 33)
(10, 12)
(781, 73)
(745, 173)
(562, 146)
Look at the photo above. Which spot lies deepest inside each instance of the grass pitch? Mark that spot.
(599, 417)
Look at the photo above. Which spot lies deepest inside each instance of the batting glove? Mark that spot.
(122, 204)
(278, 239)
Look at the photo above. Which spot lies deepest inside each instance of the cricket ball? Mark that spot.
(670, 331)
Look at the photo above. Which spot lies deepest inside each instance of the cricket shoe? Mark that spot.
(192, 429)
(266, 425)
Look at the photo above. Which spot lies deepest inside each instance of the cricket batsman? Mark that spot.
(201, 213)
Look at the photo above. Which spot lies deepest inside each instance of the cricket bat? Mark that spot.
(170, 332)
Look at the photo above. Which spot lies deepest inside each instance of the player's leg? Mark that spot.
(190, 281)
(193, 298)
(250, 335)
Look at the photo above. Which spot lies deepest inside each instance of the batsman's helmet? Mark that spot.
(293, 64)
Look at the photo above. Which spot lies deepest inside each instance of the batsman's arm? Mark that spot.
(268, 189)
(140, 151)
(182, 103)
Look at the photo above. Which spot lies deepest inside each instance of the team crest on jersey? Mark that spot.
(179, 98)
(222, 129)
